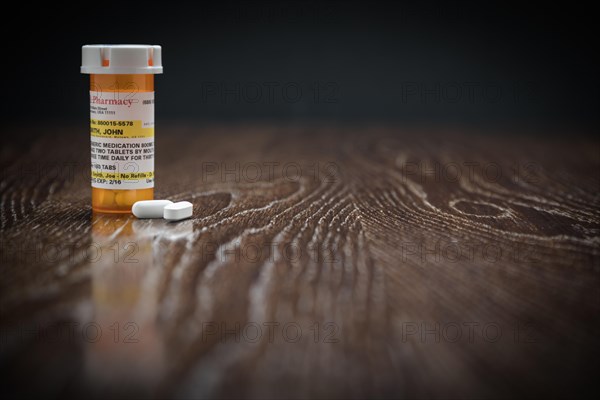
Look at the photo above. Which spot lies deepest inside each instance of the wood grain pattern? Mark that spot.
(320, 262)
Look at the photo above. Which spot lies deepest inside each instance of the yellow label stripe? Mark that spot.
(119, 129)
(122, 175)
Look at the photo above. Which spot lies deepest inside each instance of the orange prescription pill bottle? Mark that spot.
(121, 123)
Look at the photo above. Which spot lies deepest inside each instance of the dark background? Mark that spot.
(441, 62)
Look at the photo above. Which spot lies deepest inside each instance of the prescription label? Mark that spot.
(122, 140)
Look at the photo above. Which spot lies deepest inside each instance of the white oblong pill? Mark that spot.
(149, 208)
(178, 211)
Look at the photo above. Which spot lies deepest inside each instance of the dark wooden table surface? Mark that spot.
(321, 262)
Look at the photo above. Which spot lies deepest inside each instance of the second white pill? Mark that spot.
(178, 211)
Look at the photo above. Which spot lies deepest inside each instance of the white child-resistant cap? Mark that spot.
(121, 59)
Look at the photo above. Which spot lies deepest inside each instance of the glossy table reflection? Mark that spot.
(321, 261)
